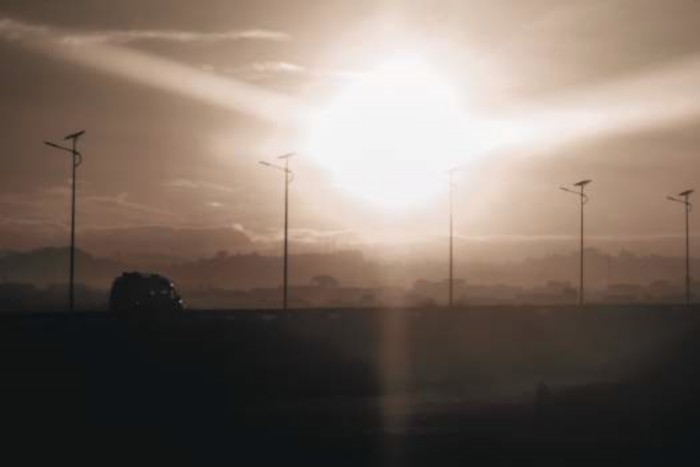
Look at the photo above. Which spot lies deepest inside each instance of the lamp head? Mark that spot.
(75, 135)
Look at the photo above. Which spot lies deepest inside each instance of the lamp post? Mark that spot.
(288, 177)
(451, 266)
(584, 199)
(77, 159)
(450, 180)
(685, 200)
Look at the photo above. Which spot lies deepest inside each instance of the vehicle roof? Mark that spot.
(144, 278)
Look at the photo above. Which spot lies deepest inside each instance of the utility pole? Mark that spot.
(288, 177)
(451, 284)
(685, 200)
(584, 199)
(76, 159)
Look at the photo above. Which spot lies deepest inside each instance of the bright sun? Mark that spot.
(391, 134)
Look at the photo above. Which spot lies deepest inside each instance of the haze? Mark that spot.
(181, 103)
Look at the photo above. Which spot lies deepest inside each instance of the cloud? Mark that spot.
(121, 201)
(655, 97)
(138, 35)
(181, 183)
(187, 184)
(52, 206)
(301, 236)
(269, 67)
(161, 73)
(257, 71)
(264, 69)
(14, 30)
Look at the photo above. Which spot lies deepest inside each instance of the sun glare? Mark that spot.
(391, 134)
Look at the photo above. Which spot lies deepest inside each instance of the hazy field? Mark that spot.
(357, 387)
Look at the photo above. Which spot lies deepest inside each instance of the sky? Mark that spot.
(180, 101)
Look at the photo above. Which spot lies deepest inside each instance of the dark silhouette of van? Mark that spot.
(136, 294)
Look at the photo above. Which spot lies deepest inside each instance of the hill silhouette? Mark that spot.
(49, 266)
(242, 271)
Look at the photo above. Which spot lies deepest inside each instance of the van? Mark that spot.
(134, 293)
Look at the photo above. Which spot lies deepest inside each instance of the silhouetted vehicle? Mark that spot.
(139, 294)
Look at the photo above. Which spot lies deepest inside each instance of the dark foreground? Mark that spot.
(492, 386)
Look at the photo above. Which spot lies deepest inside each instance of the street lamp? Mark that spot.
(450, 174)
(77, 159)
(451, 266)
(584, 199)
(288, 177)
(685, 200)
